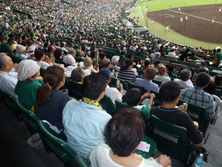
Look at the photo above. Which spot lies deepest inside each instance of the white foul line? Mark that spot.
(195, 16)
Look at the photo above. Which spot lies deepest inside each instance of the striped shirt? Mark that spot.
(197, 96)
(127, 76)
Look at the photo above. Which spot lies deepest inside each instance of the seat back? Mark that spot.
(170, 139)
(69, 157)
(157, 100)
(157, 82)
(108, 105)
(75, 89)
(9, 101)
(131, 85)
(198, 114)
(29, 118)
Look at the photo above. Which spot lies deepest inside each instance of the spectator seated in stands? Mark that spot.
(184, 80)
(8, 76)
(218, 79)
(171, 68)
(147, 82)
(41, 59)
(28, 82)
(115, 62)
(84, 120)
(123, 133)
(70, 57)
(113, 93)
(170, 96)
(134, 96)
(105, 63)
(50, 101)
(58, 54)
(5, 47)
(162, 76)
(151, 55)
(126, 73)
(51, 51)
(122, 56)
(211, 89)
(63, 48)
(146, 63)
(88, 66)
(197, 96)
(21, 50)
(78, 75)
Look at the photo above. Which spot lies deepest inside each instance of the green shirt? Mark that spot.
(6, 34)
(122, 58)
(145, 109)
(5, 48)
(27, 92)
(218, 58)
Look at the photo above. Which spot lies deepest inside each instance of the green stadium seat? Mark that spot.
(157, 82)
(75, 89)
(10, 103)
(171, 139)
(69, 157)
(108, 105)
(198, 114)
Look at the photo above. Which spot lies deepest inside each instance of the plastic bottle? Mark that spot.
(199, 161)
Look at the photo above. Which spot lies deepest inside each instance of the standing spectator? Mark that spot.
(217, 60)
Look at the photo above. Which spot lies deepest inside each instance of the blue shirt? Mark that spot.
(84, 126)
(148, 84)
(199, 97)
(8, 82)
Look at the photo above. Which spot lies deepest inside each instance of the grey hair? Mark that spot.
(71, 51)
(77, 74)
(3, 60)
(87, 61)
(185, 74)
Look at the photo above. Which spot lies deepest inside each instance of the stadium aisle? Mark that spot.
(14, 149)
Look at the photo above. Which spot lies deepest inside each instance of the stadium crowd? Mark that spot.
(35, 63)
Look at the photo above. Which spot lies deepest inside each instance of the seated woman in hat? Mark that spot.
(28, 82)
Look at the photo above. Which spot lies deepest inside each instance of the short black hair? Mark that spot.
(93, 86)
(39, 53)
(132, 96)
(124, 131)
(170, 67)
(169, 91)
(202, 79)
(211, 88)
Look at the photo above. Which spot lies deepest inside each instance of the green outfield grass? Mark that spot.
(159, 29)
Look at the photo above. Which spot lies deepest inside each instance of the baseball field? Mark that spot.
(193, 23)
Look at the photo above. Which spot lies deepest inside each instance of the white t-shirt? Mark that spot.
(99, 157)
(184, 84)
(113, 93)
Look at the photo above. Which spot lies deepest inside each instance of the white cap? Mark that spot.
(115, 59)
(20, 49)
(13, 47)
(31, 50)
(26, 69)
(218, 47)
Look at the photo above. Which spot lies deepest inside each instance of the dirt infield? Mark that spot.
(199, 24)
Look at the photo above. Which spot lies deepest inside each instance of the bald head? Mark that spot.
(6, 63)
(87, 61)
(162, 69)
